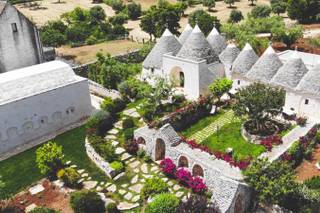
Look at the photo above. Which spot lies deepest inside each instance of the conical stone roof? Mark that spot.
(217, 41)
(266, 67)
(229, 54)
(310, 83)
(245, 60)
(166, 44)
(185, 34)
(197, 48)
(290, 74)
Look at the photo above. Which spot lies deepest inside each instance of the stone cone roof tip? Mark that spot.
(229, 54)
(245, 60)
(217, 41)
(266, 67)
(310, 83)
(291, 73)
(166, 44)
(185, 33)
(197, 48)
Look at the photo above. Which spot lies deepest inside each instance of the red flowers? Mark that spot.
(269, 141)
(168, 167)
(197, 185)
(184, 176)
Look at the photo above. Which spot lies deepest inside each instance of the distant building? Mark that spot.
(39, 102)
(20, 44)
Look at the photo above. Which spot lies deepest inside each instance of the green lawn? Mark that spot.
(230, 136)
(201, 124)
(21, 171)
(284, 132)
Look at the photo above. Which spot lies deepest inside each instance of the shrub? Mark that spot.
(42, 210)
(128, 123)
(301, 121)
(296, 152)
(313, 183)
(153, 186)
(317, 139)
(128, 134)
(108, 105)
(183, 176)
(50, 159)
(119, 104)
(107, 151)
(168, 167)
(112, 208)
(134, 10)
(261, 11)
(163, 203)
(235, 16)
(141, 153)
(147, 158)
(131, 147)
(69, 176)
(99, 123)
(86, 202)
(91, 40)
(116, 165)
(178, 99)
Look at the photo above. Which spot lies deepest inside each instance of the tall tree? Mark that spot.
(209, 4)
(305, 11)
(204, 21)
(230, 2)
(148, 23)
(235, 16)
(278, 6)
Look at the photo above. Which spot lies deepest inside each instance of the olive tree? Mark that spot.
(220, 87)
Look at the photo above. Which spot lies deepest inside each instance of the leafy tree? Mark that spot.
(305, 11)
(204, 21)
(259, 103)
(134, 10)
(50, 159)
(230, 2)
(53, 33)
(209, 3)
(252, 2)
(278, 6)
(220, 86)
(260, 11)
(86, 202)
(235, 16)
(272, 182)
(97, 14)
(162, 90)
(148, 23)
(287, 36)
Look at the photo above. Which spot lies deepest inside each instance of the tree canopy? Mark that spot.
(220, 87)
(235, 16)
(209, 3)
(260, 11)
(278, 6)
(205, 21)
(305, 11)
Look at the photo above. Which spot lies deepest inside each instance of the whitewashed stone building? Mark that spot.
(20, 44)
(39, 101)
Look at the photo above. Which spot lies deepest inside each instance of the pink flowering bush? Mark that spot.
(269, 141)
(168, 167)
(184, 176)
(197, 185)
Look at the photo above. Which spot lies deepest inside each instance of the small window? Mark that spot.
(67, 111)
(42, 121)
(292, 109)
(306, 102)
(152, 70)
(14, 27)
(238, 82)
(72, 110)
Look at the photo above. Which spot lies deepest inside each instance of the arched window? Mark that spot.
(183, 162)
(197, 170)
(160, 151)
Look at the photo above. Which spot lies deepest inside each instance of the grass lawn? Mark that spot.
(230, 136)
(201, 124)
(21, 171)
(284, 132)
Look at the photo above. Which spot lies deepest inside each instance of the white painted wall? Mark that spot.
(28, 119)
(18, 49)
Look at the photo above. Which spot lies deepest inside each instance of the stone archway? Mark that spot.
(238, 207)
(183, 162)
(197, 170)
(177, 77)
(160, 151)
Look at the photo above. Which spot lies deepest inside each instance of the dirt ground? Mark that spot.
(51, 197)
(145, 4)
(51, 9)
(88, 53)
(307, 169)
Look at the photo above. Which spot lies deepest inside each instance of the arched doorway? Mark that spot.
(197, 170)
(238, 208)
(177, 77)
(183, 162)
(160, 151)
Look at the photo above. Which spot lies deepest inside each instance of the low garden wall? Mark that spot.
(99, 161)
(99, 90)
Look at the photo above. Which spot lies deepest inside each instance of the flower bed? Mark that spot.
(242, 164)
(270, 141)
(183, 176)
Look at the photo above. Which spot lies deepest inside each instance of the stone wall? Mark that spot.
(99, 90)
(230, 193)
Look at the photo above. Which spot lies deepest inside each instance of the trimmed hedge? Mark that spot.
(86, 202)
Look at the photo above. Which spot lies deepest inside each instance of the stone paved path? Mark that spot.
(201, 135)
(288, 140)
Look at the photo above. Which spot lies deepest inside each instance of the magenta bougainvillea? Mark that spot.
(197, 185)
(270, 141)
(168, 167)
(184, 176)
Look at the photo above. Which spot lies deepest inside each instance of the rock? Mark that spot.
(112, 188)
(113, 131)
(136, 170)
(110, 137)
(73, 166)
(136, 198)
(36, 189)
(136, 188)
(170, 183)
(80, 171)
(85, 175)
(125, 156)
(118, 125)
(107, 184)
(108, 200)
(89, 178)
(176, 187)
(124, 185)
(147, 176)
(128, 196)
(122, 192)
(144, 168)
(68, 162)
(154, 168)
(120, 150)
(99, 188)
(102, 183)
(59, 183)
(143, 180)
(30, 207)
(119, 176)
(134, 179)
(127, 206)
(134, 164)
(135, 115)
(89, 184)
(179, 194)
(165, 179)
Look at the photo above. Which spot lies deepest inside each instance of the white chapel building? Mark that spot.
(39, 101)
(193, 62)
